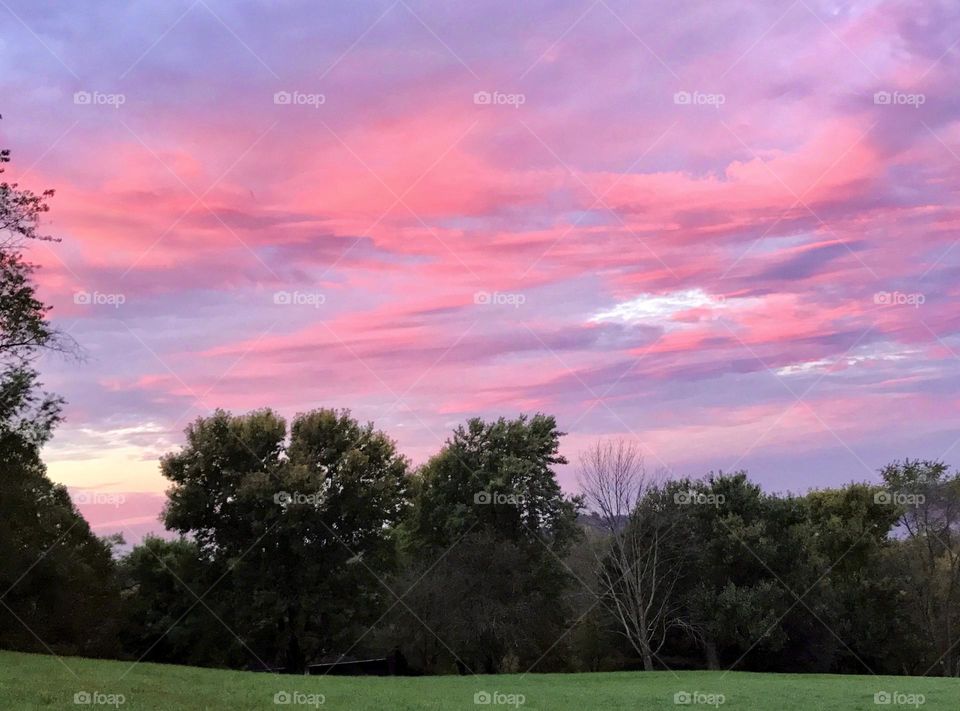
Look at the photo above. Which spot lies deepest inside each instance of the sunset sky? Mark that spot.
(726, 229)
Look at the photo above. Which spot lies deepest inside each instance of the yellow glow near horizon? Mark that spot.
(118, 469)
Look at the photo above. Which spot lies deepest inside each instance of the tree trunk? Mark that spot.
(296, 663)
(647, 659)
(713, 661)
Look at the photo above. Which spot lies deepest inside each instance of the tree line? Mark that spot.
(317, 540)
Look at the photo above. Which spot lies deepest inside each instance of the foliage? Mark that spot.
(164, 616)
(57, 587)
(497, 476)
(488, 531)
(302, 531)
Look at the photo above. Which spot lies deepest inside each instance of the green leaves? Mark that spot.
(497, 476)
(301, 527)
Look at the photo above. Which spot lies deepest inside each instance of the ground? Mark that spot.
(29, 681)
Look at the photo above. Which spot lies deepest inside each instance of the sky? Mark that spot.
(724, 230)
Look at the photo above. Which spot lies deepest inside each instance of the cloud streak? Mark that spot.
(682, 227)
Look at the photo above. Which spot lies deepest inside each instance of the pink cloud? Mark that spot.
(451, 258)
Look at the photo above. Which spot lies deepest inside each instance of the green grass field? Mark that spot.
(29, 681)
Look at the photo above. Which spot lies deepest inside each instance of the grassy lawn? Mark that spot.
(30, 681)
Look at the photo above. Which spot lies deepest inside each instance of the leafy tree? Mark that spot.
(57, 585)
(162, 619)
(20, 211)
(27, 415)
(851, 538)
(927, 498)
(303, 531)
(791, 583)
(748, 564)
(57, 590)
(491, 525)
(496, 476)
(592, 644)
(480, 609)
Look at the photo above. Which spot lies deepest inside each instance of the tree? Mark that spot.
(490, 524)
(20, 211)
(851, 540)
(927, 498)
(57, 589)
(594, 641)
(57, 583)
(479, 606)
(162, 620)
(498, 476)
(302, 532)
(638, 565)
(27, 415)
(740, 553)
